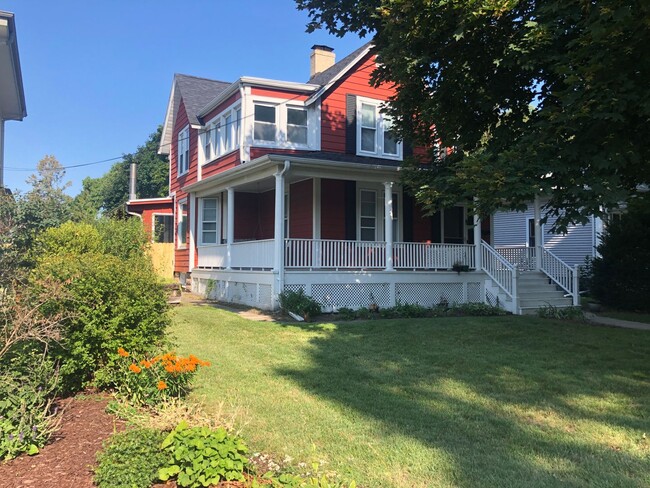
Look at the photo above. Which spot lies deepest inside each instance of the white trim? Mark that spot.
(217, 221)
(217, 139)
(282, 105)
(180, 138)
(179, 215)
(149, 200)
(153, 224)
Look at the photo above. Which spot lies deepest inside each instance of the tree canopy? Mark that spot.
(109, 193)
(546, 98)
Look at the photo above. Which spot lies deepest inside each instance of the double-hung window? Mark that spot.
(265, 123)
(207, 143)
(237, 125)
(182, 224)
(209, 221)
(375, 133)
(367, 215)
(224, 134)
(297, 125)
(227, 133)
(184, 151)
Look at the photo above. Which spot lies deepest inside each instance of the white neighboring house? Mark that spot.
(12, 96)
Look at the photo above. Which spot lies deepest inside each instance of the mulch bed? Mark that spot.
(68, 459)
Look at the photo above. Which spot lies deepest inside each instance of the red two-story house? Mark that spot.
(279, 185)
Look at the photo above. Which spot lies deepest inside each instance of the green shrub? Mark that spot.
(299, 303)
(347, 314)
(130, 459)
(564, 313)
(125, 239)
(112, 303)
(199, 456)
(621, 274)
(68, 238)
(476, 310)
(28, 383)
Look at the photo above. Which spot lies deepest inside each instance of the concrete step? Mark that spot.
(554, 302)
(542, 295)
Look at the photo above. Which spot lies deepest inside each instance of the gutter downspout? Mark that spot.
(278, 268)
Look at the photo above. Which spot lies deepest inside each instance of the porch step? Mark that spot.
(536, 291)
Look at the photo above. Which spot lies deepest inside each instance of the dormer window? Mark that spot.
(222, 134)
(375, 134)
(265, 126)
(297, 125)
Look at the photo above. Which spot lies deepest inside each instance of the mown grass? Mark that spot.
(631, 316)
(503, 401)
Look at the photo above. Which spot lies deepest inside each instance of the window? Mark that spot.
(297, 125)
(227, 133)
(207, 143)
(163, 228)
(237, 126)
(209, 221)
(367, 215)
(182, 224)
(265, 127)
(454, 225)
(184, 151)
(375, 133)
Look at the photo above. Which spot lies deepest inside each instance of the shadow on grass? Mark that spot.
(513, 403)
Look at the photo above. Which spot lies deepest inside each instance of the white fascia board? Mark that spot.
(230, 175)
(324, 88)
(287, 85)
(149, 200)
(166, 139)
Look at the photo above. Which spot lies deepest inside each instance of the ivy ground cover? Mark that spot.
(496, 401)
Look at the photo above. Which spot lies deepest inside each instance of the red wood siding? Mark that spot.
(228, 161)
(177, 182)
(357, 82)
(301, 203)
(221, 107)
(332, 209)
(265, 92)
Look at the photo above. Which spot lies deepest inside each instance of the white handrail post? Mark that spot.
(576, 285)
(477, 240)
(538, 234)
(388, 223)
(230, 226)
(515, 297)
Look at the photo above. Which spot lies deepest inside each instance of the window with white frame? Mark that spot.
(297, 125)
(209, 212)
(163, 228)
(182, 224)
(222, 134)
(367, 215)
(184, 151)
(265, 123)
(375, 134)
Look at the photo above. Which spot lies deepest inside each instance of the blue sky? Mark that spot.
(97, 74)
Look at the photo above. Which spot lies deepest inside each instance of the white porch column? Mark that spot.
(538, 233)
(230, 226)
(316, 227)
(278, 234)
(192, 222)
(477, 242)
(388, 223)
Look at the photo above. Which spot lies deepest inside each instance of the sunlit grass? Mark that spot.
(506, 401)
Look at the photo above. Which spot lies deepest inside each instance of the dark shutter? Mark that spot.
(408, 149)
(351, 124)
(351, 210)
(407, 214)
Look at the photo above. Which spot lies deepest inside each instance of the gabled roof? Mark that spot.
(196, 93)
(334, 73)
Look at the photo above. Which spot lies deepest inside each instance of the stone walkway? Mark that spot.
(626, 324)
(243, 311)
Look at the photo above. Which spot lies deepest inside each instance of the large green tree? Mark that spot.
(108, 193)
(537, 97)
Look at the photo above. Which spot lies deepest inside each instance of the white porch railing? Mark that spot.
(252, 254)
(323, 253)
(213, 256)
(500, 270)
(522, 257)
(418, 255)
(562, 274)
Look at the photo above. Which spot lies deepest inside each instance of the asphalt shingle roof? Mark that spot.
(197, 93)
(324, 77)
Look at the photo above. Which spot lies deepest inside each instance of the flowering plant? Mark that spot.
(146, 381)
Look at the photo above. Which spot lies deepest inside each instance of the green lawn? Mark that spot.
(504, 401)
(632, 316)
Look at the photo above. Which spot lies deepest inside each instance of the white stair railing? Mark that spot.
(500, 270)
(561, 273)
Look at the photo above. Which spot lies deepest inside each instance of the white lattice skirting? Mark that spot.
(252, 289)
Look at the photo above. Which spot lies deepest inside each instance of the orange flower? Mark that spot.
(162, 385)
(169, 368)
(145, 363)
(122, 352)
(135, 368)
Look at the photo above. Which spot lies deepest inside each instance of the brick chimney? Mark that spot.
(322, 57)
